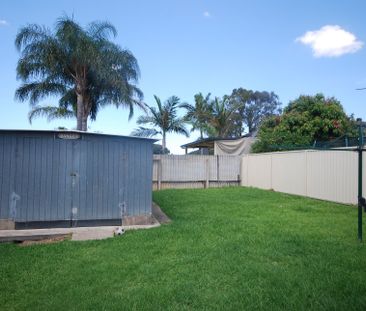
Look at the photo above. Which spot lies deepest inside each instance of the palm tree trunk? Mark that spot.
(201, 149)
(164, 142)
(79, 111)
(84, 123)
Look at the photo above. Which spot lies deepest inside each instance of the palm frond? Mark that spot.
(145, 120)
(38, 90)
(50, 112)
(178, 126)
(29, 34)
(101, 30)
(145, 132)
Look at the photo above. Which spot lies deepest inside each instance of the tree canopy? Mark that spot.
(232, 115)
(199, 114)
(221, 122)
(253, 107)
(80, 66)
(162, 119)
(304, 121)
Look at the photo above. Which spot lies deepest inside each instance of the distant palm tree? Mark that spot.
(163, 120)
(198, 115)
(81, 66)
(221, 122)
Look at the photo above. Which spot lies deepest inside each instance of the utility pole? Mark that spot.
(361, 199)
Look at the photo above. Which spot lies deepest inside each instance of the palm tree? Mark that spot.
(198, 115)
(221, 122)
(163, 120)
(81, 66)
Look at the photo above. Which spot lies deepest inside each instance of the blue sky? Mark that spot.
(190, 46)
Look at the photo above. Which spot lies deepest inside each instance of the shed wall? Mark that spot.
(45, 178)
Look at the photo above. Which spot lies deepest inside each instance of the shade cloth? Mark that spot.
(233, 147)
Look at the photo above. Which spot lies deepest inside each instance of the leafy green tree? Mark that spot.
(253, 107)
(80, 66)
(304, 121)
(163, 119)
(198, 115)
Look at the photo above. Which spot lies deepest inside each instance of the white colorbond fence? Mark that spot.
(195, 171)
(326, 175)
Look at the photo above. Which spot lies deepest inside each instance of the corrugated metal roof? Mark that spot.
(75, 132)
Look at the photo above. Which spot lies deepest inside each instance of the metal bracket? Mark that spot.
(362, 202)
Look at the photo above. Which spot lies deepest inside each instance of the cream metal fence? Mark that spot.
(326, 175)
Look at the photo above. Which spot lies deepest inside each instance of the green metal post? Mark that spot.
(360, 147)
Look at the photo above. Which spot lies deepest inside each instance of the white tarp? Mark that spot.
(233, 147)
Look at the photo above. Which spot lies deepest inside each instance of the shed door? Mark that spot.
(98, 181)
(68, 180)
(42, 185)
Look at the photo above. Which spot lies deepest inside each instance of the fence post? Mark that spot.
(247, 172)
(218, 169)
(361, 199)
(271, 172)
(160, 173)
(306, 172)
(207, 181)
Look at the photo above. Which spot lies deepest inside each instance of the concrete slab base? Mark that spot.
(138, 220)
(7, 224)
(84, 233)
(78, 233)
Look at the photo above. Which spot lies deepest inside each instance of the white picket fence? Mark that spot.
(195, 171)
(326, 175)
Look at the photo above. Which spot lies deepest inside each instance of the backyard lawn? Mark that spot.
(228, 249)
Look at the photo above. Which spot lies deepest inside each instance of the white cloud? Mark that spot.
(3, 22)
(331, 41)
(206, 14)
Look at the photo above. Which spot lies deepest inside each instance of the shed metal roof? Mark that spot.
(24, 131)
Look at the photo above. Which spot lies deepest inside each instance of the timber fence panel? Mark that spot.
(195, 171)
(228, 168)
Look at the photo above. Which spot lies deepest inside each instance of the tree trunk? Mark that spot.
(82, 107)
(164, 142)
(84, 123)
(79, 111)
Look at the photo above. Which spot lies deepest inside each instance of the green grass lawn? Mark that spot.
(226, 249)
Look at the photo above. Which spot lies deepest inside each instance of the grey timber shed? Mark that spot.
(71, 178)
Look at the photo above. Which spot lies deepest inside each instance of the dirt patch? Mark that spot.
(159, 215)
(46, 241)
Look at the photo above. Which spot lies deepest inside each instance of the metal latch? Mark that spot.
(362, 202)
